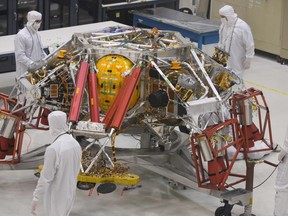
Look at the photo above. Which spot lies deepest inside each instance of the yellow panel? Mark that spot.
(284, 49)
(127, 179)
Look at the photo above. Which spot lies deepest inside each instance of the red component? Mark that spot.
(216, 170)
(2, 154)
(11, 143)
(249, 136)
(93, 97)
(44, 117)
(78, 92)
(255, 132)
(11, 146)
(118, 109)
(3, 144)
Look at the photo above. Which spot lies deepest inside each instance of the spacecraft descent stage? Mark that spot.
(182, 100)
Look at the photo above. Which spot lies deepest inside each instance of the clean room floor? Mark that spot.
(155, 197)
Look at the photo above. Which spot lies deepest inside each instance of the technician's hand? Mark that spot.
(247, 63)
(281, 155)
(33, 207)
(36, 65)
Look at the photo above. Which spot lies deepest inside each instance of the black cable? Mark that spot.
(266, 178)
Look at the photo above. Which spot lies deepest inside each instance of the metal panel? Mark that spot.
(57, 14)
(22, 8)
(284, 39)
(3, 17)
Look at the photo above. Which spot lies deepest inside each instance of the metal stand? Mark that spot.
(249, 187)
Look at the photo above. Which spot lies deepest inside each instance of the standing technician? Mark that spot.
(58, 179)
(29, 51)
(235, 37)
(281, 184)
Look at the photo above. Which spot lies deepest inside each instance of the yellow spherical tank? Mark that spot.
(110, 79)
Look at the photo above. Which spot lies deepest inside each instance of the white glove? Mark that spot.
(33, 207)
(37, 64)
(247, 63)
(281, 155)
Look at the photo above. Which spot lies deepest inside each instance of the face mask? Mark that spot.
(36, 26)
(223, 20)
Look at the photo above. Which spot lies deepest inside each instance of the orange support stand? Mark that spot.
(206, 154)
(42, 118)
(260, 128)
(7, 103)
(118, 109)
(11, 145)
(78, 92)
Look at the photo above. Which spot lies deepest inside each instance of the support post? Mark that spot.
(249, 187)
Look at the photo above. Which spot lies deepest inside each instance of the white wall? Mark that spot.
(192, 4)
(185, 3)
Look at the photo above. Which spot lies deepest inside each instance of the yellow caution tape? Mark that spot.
(267, 88)
(126, 178)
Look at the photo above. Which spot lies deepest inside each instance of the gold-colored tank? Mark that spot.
(110, 79)
(173, 74)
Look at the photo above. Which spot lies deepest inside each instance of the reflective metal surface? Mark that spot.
(3, 18)
(177, 18)
(23, 7)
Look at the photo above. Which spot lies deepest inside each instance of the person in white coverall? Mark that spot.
(29, 51)
(235, 37)
(58, 178)
(281, 183)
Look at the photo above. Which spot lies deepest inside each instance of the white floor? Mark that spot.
(156, 197)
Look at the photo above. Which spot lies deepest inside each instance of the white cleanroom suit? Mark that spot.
(235, 37)
(58, 179)
(29, 51)
(281, 183)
